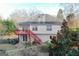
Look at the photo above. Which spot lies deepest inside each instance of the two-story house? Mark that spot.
(42, 25)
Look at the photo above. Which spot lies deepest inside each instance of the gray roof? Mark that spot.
(44, 18)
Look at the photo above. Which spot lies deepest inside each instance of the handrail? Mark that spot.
(35, 36)
(30, 33)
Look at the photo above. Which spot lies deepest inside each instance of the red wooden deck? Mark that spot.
(31, 34)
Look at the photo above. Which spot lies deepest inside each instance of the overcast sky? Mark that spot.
(46, 6)
(8, 8)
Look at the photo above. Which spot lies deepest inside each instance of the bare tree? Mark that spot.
(70, 8)
(22, 14)
(60, 14)
(33, 12)
(19, 14)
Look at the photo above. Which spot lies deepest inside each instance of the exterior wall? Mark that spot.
(43, 33)
(42, 29)
(44, 37)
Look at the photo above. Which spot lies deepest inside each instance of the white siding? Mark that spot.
(44, 37)
(42, 32)
(42, 29)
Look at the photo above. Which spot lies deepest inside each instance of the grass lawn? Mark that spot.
(7, 47)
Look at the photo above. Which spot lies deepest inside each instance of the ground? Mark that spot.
(12, 50)
(4, 47)
(7, 47)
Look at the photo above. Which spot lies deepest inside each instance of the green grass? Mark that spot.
(74, 29)
(7, 47)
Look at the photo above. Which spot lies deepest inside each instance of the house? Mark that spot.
(42, 26)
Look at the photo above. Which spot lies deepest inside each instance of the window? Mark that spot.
(34, 28)
(49, 27)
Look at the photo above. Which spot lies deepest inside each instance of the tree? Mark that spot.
(67, 44)
(1, 26)
(60, 14)
(23, 15)
(70, 8)
(19, 14)
(33, 12)
(70, 16)
(10, 26)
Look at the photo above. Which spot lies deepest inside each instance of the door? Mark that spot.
(24, 37)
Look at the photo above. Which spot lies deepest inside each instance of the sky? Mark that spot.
(7, 9)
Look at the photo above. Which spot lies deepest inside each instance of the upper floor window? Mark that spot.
(34, 28)
(49, 27)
